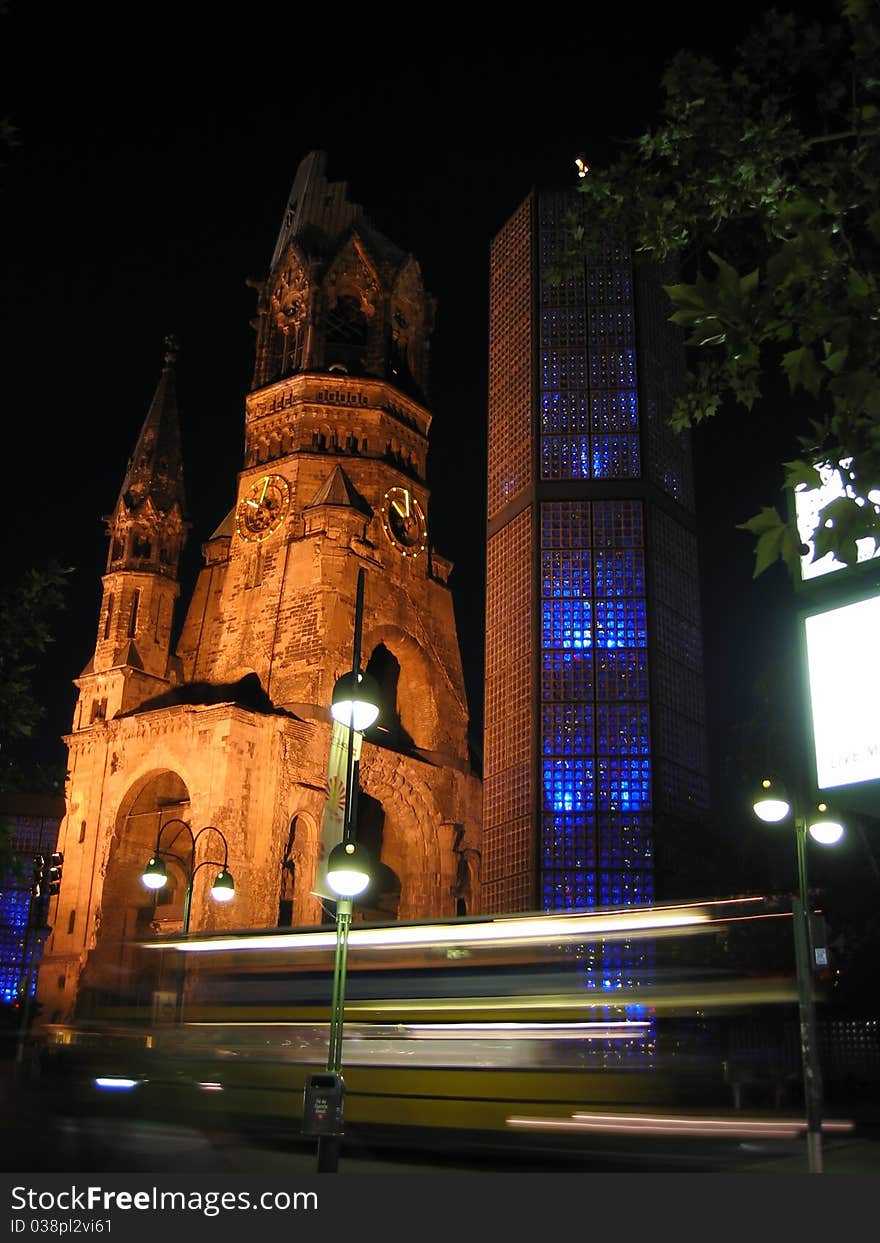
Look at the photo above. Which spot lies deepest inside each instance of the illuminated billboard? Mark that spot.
(843, 662)
(807, 504)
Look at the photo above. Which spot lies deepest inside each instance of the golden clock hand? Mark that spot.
(265, 486)
(396, 506)
(406, 498)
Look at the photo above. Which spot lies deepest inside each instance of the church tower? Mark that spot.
(233, 730)
(147, 529)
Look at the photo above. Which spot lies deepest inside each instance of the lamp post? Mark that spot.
(355, 704)
(155, 876)
(773, 805)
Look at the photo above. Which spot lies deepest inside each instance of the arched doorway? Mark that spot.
(129, 912)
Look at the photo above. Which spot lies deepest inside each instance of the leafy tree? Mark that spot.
(27, 615)
(761, 183)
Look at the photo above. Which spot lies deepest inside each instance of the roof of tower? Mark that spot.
(339, 490)
(319, 214)
(155, 469)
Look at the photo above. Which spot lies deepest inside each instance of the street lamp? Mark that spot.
(773, 805)
(355, 704)
(155, 875)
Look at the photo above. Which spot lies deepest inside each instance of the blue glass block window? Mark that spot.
(565, 524)
(619, 572)
(611, 366)
(624, 784)
(616, 457)
(621, 674)
(567, 729)
(568, 840)
(565, 457)
(626, 838)
(566, 675)
(566, 891)
(620, 623)
(566, 573)
(618, 524)
(614, 323)
(568, 784)
(14, 909)
(564, 412)
(566, 623)
(609, 286)
(563, 369)
(622, 729)
(614, 410)
(562, 325)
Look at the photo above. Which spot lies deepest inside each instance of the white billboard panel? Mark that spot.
(843, 661)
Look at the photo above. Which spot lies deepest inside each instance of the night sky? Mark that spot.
(154, 156)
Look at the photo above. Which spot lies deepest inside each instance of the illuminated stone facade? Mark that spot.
(232, 728)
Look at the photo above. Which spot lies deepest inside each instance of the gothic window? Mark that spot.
(118, 548)
(288, 879)
(345, 338)
(108, 619)
(141, 546)
(133, 617)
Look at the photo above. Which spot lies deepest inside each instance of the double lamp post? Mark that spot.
(774, 805)
(155, 876)
(355, 705)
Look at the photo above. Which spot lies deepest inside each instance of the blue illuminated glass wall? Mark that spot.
(34, 831)
(15, 905)
(594, 720)
(595, 723)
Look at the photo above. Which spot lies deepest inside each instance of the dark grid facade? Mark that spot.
(594, 711)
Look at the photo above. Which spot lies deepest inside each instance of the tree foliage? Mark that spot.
(28, 612)
(762, 182)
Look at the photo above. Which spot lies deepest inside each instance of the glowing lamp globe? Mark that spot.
(825, 826)
(155, 874)
(771, 803)
(348, 869)
(223, 889)
(355, 700)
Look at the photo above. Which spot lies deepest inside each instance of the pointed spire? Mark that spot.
(156, 466)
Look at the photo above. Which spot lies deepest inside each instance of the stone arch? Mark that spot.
(411, 848)
(351, 295)
(416, 701)
(388, 731)
(302, 850)
(129, 911)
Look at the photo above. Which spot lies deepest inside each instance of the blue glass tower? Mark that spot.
(594, 708)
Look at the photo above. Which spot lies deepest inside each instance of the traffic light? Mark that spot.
(53, 875)
(38, 882)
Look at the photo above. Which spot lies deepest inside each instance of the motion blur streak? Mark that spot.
(526, 1031)
(499, 932)
(727, 1128)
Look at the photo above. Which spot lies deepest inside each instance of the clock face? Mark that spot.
(263, 507)
(404, 522)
